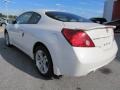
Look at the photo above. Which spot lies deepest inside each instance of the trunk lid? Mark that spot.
(102, 36)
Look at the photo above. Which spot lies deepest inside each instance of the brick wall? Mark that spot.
(116, 10)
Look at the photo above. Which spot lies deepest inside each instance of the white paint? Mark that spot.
(67, 60)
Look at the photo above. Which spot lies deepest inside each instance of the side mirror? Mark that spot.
(11, 22)
(14, 22)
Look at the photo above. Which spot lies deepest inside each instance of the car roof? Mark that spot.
(43, 11)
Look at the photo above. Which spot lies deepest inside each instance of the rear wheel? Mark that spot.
(43, 62)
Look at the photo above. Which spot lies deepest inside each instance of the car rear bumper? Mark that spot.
(86, 60)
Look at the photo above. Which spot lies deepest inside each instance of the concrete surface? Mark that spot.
(17, 72)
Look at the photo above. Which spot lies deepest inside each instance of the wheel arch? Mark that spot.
(39, 44)
(56, 70)
(3, 23)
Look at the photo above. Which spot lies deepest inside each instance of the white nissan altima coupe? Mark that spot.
(62, 43)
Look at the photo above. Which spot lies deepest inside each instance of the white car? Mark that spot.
(3, 22)
(62, 43)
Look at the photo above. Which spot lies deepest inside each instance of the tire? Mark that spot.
(43, 62)
(7, 40)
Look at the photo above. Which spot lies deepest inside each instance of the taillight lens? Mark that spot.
(77, 38)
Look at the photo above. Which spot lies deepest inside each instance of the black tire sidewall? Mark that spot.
(49, 74)
(6, 33)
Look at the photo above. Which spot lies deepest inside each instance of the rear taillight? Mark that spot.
(77, 38)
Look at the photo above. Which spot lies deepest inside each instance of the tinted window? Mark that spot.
(66, 17)
(24, 18)
(35, 18)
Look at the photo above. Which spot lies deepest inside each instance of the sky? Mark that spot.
(85, 8)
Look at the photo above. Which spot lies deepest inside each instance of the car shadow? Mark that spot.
(117, 38)
(18, 59)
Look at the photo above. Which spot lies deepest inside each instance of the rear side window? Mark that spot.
(35, 18)
(66, 17)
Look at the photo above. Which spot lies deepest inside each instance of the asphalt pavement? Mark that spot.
(18, 72)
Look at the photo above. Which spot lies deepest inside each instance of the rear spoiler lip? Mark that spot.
(110, 26)
(102, 27)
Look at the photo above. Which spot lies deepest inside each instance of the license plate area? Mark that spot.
(102, 38)
(104, 42)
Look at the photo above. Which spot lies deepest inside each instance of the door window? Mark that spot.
(24, 18)
(35, 18)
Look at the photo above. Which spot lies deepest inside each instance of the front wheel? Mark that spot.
(7, 40)
(43, 62)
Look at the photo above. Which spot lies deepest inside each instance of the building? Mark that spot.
(112, 10)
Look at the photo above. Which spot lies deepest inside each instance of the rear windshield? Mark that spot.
(66, 17)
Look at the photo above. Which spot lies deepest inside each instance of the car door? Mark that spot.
(28, 30)
(18, 31)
